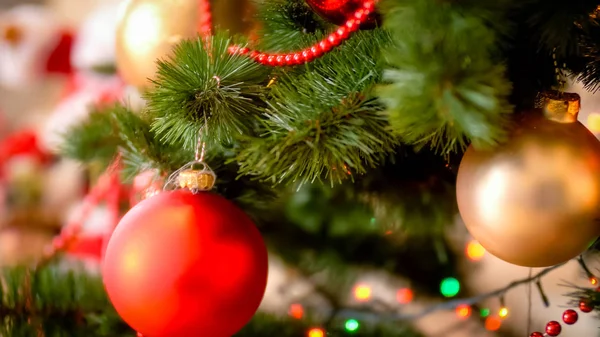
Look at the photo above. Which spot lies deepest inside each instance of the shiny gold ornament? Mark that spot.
(149, 29)
(200, 180)
(535, 200)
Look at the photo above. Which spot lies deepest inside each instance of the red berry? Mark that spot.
(536, 334)
(585, 306)
(570, 316)
(553, 328)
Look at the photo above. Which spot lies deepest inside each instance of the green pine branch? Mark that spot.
(207, 88)
(443, 87)
(324, 123)
(288, 25)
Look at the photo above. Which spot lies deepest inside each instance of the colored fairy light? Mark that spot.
(352, 325)
(463, 311)
(503, 312)
(405, 296)
(316, 332)
(474, 250)
(485, 312)
(493, 323)
(296, 311)
(450, 287)
(362, 292)
(593, 281)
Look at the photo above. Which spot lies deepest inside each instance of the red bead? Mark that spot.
(253, 54)
(570, 316)
(333, 39)
(280, 60)
(536, 334)
(325, 46)
(307, 55)
(585, 306)
(298, 59)
(342, 33)
(316, 51)
(359, 15)
(553, 328)
(233, 49)
(271, 60)
(244, 51)
(289, 59)
(262, 58)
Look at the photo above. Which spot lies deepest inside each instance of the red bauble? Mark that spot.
(570, 316)
(553, 328)
(339, 11)
(182, 264)
(536, 334)
(585, 306)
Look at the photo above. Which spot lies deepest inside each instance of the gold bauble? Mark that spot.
(534, 201)
(149, 29)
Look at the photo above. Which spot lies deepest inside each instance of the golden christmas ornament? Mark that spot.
(149, 29)
(535, 200)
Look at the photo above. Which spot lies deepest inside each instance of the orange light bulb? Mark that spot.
(404, 296)
(362, 293)
(296, 311)
(493, 323)
(463, 311)
(474, 250)
(316, 332)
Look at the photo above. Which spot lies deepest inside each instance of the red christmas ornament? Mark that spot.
(570, 316)
(553, 328)
(585, 306)
(339, 11)
(536, 334)
(182, 264)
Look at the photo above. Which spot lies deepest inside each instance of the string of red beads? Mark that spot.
(315, 51)
(569, 317)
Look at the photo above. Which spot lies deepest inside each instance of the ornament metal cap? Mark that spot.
(195, 176)
(561, 107)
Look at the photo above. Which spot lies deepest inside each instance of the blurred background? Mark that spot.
(50, 54)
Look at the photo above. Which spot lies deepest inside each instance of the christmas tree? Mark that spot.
(349, 134)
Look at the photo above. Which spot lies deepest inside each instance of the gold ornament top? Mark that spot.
(199, 180)
(195, 176)
(562, 107)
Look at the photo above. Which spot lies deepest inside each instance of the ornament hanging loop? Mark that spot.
(196, 175)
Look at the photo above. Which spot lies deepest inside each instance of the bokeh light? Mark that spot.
(485, 312)
(463, 311)
(316, 332)
(474, 250)
(352, 325)
(405, 295)
(493, 323)
(362, 292)
(296, 311)
(450, 287)
(593, 122)
(503, 312)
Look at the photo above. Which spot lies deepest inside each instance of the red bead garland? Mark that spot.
(317, 50)
(570, 316)
(536, 334)
(553, 328)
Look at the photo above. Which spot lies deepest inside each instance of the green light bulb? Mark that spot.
(352, 325)
(450, 287)
(485, 312)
